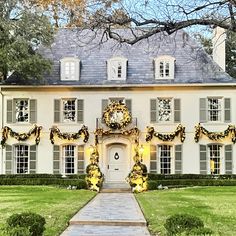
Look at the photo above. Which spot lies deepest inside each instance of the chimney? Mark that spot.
(218, 41)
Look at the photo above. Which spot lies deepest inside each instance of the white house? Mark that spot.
(164, 82)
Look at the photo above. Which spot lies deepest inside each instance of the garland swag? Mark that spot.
(231, 130)
(36, 130)
(56, 131)
(180, 130)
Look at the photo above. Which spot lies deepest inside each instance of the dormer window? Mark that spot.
(164, 67)
(117, 68)
(70, 68)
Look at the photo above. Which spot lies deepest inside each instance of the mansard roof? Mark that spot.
(192, 64)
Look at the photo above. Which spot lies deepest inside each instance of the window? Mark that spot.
(214, 109)
(215, 158)
(117, 68)
(22, 159)
(69, 159)
(165, 110)
(164, 67)
(22, 110)
(165, 159)
(68, 110)
(70, 68)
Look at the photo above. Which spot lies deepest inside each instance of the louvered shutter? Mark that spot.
(104, 105)
(227, 107)
(80, 110)
(177, 113)
(56, 159)
(80, 162)
(203, 110)
(178, 159)
(33, 110)
(153, 110)
(203, 159)
(228, 159)
(32, 161)
(9, 159)
(153, 159)
(57, 110)
(128, 103)
(9, 111)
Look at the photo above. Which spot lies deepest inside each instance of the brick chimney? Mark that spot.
(218, 41)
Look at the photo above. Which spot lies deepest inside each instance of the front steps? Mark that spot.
(116, 187)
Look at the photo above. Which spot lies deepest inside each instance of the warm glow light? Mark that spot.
(91, 149)
(141, 150)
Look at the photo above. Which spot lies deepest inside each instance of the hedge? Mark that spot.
(153, 184)
(33, 176)
(42, 180)
(188, 176)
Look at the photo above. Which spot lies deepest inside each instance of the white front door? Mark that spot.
(117, 163)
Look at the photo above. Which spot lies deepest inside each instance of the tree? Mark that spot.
(151, 17)
(22, 31)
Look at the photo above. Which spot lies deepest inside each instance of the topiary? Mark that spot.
(32, 221)
(180, 223)
(200, 231)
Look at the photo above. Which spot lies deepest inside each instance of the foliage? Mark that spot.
(153, 184)
(216, 206)
(56, 205)
(200, 231)
(34, 180)
(16, 231)
(33, 221)
(179, 223)
(22, 32)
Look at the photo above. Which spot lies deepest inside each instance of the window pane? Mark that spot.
(215, 157)
(214, 109)
(161, 69)
(167, 69)
(165, 159)
(164, 109)
(69, 112)
(22, 110)
(69, 157)
(22, 159)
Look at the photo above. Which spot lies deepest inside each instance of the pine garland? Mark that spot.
(54, 131)
(216, 136)
(180, 131)
(36, 130)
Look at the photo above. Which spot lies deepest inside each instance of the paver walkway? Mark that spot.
(109, 214)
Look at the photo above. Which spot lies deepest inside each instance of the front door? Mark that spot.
(117, 163)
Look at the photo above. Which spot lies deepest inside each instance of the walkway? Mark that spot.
(109, 214)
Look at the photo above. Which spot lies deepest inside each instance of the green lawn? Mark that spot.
(55, 204)
(216, 206)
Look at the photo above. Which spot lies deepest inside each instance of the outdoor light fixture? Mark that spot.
(141, 150)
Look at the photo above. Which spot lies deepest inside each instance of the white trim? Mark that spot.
(70, 75)
(112, 68)
(165, 60)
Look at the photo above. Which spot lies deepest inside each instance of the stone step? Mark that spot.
(109, 222)
(104, 230)
(115, 190)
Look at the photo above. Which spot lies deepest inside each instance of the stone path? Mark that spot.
(109, 214)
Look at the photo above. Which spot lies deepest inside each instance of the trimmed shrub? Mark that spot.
(52, 180)
(28, 220)
(153, 184)
(180, 223)
(200, 231)
(17, 231)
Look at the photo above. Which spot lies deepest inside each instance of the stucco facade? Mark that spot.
(140, 88)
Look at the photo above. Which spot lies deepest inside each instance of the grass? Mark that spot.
(55, 204)
(216, 206)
